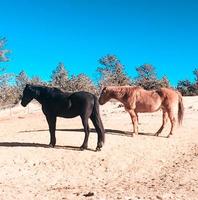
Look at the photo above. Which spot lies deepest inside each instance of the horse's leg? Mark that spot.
(52, 128)
(164, 121)
(86, 129)
(172, 120)
(97, 122)
(134, 119)
(137, 117)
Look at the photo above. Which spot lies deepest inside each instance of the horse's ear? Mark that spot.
(27, 85)
(104, 89)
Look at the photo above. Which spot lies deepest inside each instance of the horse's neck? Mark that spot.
(38, 95)
(39, 99)
(118, 95)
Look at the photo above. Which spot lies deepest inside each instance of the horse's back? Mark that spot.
(82, 100)
(168, 93)
(83, 96)
(147, 101)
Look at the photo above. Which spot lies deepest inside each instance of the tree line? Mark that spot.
(110, 72)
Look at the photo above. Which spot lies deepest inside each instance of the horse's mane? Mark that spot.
(49, 90)
(122, 90)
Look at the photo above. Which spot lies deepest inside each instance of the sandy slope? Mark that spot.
(141, 167)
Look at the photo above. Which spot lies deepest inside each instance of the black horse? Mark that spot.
(56, 103)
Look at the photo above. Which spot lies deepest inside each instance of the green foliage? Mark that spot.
(8, 95)
(112, 72)
(146, 72)
(6, 91)
(59, 77)
(147, 78)
(21, 81)
(188, 88)
(36, 80)
(81, 82)
(3, 51)
(195, 72)
(4, 77)
(164, 82)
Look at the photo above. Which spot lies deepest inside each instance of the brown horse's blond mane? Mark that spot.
(122, 90)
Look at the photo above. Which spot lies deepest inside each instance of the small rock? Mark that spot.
(77, 193)
(89, 194)
(158, 197)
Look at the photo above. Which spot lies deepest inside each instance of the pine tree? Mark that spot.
(3, 51)
(36, 80)
(59, 77)
(81, 82)
(195, 72)
(147, 78)
(6, 91)
(112, 72)
(4, 77)
(21, 81)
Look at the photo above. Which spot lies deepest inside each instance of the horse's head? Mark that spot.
(28, 95)
(104, 96)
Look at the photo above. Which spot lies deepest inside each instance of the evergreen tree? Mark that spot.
(195, 72)
(21, 81)
(6, 91)
(36, 80)
(185, 87)
(59, 77)
(147, 78)
(3, 51)
(188, 88)
(4, 77)
(112, 72)
(164, 82)
(81, 82)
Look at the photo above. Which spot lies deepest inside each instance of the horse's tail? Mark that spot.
(97, 122)
(180, 109)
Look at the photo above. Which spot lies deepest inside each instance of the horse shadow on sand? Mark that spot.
(73, 148)
(27, 144)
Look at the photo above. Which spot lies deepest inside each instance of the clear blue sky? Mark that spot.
(42, 33)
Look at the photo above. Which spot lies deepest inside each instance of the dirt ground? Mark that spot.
(128, 168)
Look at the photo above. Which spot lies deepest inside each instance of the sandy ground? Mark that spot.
(140, 167)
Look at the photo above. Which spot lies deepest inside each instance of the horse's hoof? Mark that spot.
(82, 148)
(168, 136)
(98, 148)
(51, 145)
(99, 145)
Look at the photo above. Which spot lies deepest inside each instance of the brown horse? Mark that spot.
(136, 99)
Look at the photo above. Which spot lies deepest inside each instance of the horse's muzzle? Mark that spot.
(100, 101)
